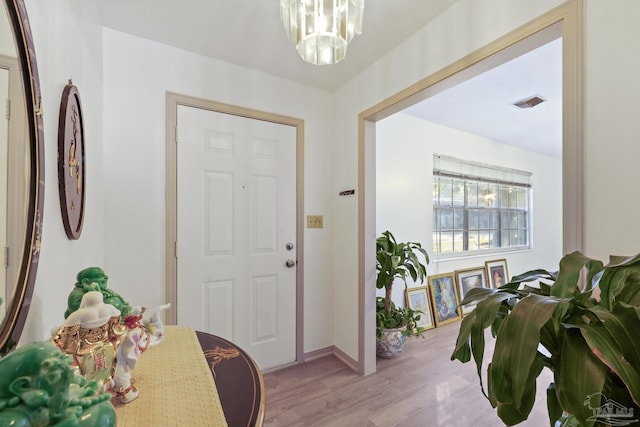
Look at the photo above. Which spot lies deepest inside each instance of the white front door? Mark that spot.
(236, 228)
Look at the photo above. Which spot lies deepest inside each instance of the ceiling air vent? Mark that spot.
(529, 102)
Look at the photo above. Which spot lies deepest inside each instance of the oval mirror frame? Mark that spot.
(18, 307)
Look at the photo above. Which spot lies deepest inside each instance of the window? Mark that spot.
(479, 207)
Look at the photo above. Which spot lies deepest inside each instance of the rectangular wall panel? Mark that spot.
(264, 214)
(218, 308)
(264, 148)
(218, 215)
(219, 141)
(265, 308)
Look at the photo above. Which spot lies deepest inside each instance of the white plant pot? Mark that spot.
(391, 343)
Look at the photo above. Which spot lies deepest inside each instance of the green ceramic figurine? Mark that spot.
(94, 279)
(38, 387)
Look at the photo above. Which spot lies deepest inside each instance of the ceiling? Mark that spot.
(483, 105)
(249, 33)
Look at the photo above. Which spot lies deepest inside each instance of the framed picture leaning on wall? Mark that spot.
(444, 298)
(418, 300)
(470, 278)
(497, 272)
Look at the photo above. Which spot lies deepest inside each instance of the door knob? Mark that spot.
(290, 263)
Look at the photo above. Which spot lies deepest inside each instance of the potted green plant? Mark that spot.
(396, 260)
(580, 322)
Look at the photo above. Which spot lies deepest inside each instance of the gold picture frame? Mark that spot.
(497, 272)
(467, 279)
(418, 299)
(444, 298)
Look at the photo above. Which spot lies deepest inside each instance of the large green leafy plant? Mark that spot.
(397, 260)
(582, 322)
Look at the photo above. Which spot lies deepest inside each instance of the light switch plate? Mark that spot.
(314, 221)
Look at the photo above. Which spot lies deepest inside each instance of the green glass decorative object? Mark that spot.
(38, 387)
(94, 279)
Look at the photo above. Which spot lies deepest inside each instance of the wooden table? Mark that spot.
(238, 381)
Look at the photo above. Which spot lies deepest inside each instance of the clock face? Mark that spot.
(71, 162)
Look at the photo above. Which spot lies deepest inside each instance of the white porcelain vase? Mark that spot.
(391, 343)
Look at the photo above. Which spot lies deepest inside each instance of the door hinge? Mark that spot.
(176, 134)
(175, 249)
(6, 257)
(8, 109)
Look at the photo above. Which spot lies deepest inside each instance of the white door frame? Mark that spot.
(171, 261)
(14, 163)
(570, 17)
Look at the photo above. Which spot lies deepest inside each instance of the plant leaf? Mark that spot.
(620, 261)
(614, 341)
(463, 339)
(477, 294)
(537, 274)
(512, 413)
(462, 351)
(566, 285)
(578, 376)
(516, 348)
(553, 406)
(619, 282)
(485, 315)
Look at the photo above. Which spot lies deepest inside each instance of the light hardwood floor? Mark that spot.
(422, 388)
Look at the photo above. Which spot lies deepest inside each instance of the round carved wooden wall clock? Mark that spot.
(71, 161)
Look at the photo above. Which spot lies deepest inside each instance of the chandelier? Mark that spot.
(321, 29)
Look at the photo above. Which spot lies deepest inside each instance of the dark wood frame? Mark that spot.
(12, 326)
(71, 161)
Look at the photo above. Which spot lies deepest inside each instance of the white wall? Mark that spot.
(68, 41)
(7, 44)
(404, 175)
(611, 128)
(137, 75)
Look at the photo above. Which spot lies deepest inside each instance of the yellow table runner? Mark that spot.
(175, 385)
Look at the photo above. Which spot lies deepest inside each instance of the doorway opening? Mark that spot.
(483, 148)
(564, 22)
